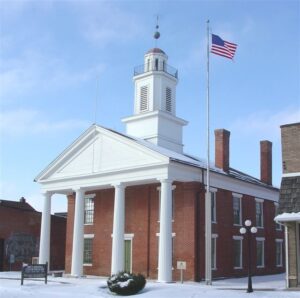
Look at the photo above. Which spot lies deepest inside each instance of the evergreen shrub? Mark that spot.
(125, 283)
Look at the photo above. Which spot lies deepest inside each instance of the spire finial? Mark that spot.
(156, 33)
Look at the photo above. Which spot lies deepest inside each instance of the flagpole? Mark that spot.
(208, 194)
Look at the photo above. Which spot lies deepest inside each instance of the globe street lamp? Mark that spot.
(248, 229)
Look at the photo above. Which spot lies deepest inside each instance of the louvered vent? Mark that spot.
(168, 100)
(144, 98)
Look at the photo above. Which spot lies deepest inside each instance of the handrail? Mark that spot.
(144, 68)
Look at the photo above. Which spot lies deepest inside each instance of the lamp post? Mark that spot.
(249, 230)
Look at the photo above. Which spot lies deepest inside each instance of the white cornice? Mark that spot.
(155, 114)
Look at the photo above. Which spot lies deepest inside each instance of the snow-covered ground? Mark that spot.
(67, 287)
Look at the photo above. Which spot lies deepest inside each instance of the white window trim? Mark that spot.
(237, 195)
(234, 195)
(215, 236)
(261, 239)
(129, 237)
(88, 236)
(126, 236)
(239, 238)
(281, 255)
(261, 201)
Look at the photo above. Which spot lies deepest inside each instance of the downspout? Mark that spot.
(286, 255)
(286, 240)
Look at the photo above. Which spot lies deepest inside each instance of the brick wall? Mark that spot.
(292, 245)
(15, 222)
(290, 140)
(142, 220)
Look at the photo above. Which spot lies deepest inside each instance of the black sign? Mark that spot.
(34, 271)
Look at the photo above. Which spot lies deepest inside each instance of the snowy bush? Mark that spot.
(125, 283)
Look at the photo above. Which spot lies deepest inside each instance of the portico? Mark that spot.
(154, 167)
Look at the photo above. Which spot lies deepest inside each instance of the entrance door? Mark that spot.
(1, 254)
(127, 252)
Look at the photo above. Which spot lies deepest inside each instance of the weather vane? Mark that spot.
(156, 33)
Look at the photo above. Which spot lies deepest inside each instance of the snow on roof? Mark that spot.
(293, 216)
(175, 156)
(195, 161)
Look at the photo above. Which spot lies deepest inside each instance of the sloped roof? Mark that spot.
(173, 156)
(197, 162)
(289, 200)
(16, 205)
(156, 51)
(285, 217)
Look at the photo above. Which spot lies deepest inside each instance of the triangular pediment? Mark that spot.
(101, 151)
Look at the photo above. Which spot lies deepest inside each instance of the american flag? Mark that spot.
(222, 47)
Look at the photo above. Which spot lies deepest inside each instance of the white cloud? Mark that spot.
(265, 123)
(104, 23)
(24, 122)
(34, 70)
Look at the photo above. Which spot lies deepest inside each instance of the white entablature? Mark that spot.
(154, 116)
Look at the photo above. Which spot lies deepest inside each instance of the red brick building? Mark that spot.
(20, 227)
(136, 200)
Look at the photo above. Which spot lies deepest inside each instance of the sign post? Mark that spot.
(181, 265)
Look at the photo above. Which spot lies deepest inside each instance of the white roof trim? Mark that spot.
(291, 174)
(293, 216)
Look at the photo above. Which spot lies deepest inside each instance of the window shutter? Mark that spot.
(144, 98)
(168, 100)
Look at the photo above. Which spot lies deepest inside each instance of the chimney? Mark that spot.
(22, 200)
(222, 149)
(266, 162)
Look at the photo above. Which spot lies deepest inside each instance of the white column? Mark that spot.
(78, 233)
(44, 253)
(165, 234)
(117, 258)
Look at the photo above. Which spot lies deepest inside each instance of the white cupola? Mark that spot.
(154, 116)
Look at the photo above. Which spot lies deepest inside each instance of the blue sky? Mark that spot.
(58, 57)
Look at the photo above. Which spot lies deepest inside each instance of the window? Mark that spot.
(88, 251)
(259, 213)
(237, 252)
(173, 202)
(144, 98)
(214, 251)
(237, 212)
(260, 253)
(89, 209)
(156, 64)
(168, 99)
(213, 207)
(279, 252)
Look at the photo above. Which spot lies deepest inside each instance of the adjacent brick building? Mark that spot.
(289, 203)
(20, 227)
(136, 201)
